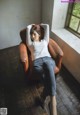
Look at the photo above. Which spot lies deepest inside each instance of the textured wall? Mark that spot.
(14, 16)
(47, 11)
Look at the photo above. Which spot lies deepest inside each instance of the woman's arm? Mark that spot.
(46, 32)
(28, 37)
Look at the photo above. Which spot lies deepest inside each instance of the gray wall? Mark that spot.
(14, 16)
(71, 59)
(47, 11)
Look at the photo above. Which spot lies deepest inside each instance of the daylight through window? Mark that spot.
(73, 18)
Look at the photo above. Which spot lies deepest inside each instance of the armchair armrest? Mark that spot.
(56, 53)
(24, 56)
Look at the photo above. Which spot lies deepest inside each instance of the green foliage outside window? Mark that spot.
(76, 9)
(75, 18)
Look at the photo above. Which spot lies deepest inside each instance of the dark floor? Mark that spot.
(18, 96)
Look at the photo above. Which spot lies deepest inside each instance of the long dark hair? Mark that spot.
(39, 29)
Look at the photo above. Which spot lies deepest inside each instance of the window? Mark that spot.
(73, 18)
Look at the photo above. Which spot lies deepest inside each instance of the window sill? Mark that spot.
(72, 40)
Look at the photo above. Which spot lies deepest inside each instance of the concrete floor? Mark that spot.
(18, 96)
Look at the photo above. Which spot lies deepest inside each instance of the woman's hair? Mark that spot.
(39, 29)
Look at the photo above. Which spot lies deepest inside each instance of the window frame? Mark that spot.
(69, 14)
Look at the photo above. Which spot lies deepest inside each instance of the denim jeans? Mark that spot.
(44, 67)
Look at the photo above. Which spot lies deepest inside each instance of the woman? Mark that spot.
(43, 65)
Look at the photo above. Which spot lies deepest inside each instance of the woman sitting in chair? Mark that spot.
(42, 63)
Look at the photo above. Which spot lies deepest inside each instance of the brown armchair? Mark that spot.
(53, 47)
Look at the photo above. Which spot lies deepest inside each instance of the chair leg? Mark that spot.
(53, 105)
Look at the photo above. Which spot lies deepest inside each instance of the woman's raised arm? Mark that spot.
(46, 32)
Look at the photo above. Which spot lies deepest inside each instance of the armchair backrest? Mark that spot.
(23, 35)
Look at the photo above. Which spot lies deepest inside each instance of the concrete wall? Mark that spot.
(47, 11)
(51, 10)
(14, 16)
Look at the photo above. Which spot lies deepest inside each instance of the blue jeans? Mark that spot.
(44, 67)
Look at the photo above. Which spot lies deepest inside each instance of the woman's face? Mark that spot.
(35, 36)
